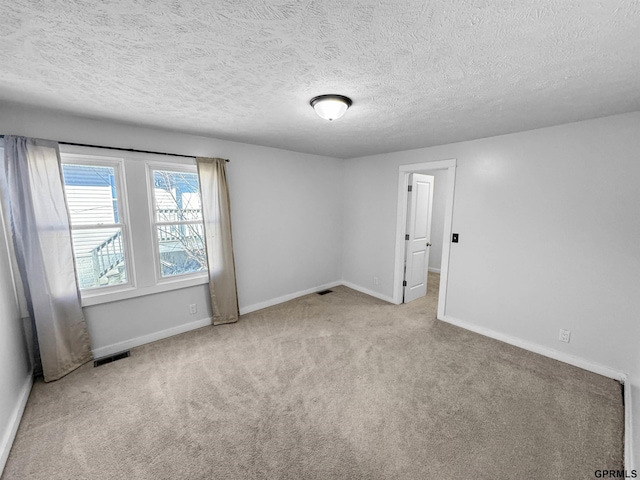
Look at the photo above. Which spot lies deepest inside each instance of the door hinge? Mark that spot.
(406, 237)
(404, 283)
(410, 187)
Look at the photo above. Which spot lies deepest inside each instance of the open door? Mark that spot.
(418, 237)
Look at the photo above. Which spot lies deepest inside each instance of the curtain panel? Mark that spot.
(216, 214)
(33, 194)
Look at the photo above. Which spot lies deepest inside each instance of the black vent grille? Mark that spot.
(324, 292)
(111, 358)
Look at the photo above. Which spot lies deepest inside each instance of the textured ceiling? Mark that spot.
(420, 72)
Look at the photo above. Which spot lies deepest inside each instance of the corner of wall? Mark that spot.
(631, 425)
(9, 435)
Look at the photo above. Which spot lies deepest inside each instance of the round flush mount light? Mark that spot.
(330, 107)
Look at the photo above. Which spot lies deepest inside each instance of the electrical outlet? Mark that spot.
(565, 336)
(193, 308)
(375, 280)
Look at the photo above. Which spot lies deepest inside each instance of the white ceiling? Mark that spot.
(420, 72)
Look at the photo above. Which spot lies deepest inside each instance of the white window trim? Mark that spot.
(136, 288)
(153, 222)
(117, 163)
(142, 291)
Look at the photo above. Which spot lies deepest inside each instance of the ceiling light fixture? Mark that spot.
(330, 107)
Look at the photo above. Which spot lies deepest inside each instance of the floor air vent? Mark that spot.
(324, 292)
(111, 358)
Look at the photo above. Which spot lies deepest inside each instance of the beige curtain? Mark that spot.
(217, 227)
(33, 196)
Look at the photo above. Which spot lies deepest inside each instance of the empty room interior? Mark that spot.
(297, 239)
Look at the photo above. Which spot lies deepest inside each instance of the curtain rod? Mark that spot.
(125, 149)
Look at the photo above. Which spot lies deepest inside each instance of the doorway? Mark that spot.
(418, 240)
(404, 174)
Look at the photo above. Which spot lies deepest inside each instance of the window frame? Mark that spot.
(117, 163)
(136, 188)
(151, 167)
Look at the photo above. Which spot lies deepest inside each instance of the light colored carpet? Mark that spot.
(341, 386)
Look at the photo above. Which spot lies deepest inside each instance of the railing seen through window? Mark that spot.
(92, 193)
(178, 222)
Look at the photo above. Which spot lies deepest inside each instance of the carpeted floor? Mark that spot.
(340, 386)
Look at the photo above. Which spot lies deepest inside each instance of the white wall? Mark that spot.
(549, 222)
(15, 367)
(286, 216)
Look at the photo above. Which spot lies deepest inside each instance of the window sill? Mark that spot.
(97, 298)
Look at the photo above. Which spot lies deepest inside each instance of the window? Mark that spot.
(178, 229)
(97, 211)
(136, 223)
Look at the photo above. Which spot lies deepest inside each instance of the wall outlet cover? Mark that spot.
(565, 335)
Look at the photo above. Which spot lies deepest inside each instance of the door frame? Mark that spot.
(404, 172)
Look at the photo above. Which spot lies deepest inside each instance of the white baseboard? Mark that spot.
(629, 460)
(367, 291)
(151, 337)
(14, 422)
(434, 270)
(286, 298)
(301, 293)
(571, 360)
(9, 435)
(533, 347)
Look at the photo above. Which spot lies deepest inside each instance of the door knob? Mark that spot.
(428, 244)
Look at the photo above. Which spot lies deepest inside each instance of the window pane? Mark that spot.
(177, 196)
(91, 194)
(182, 249)
(99, 256)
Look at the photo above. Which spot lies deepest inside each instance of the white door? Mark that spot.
(418, 237)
